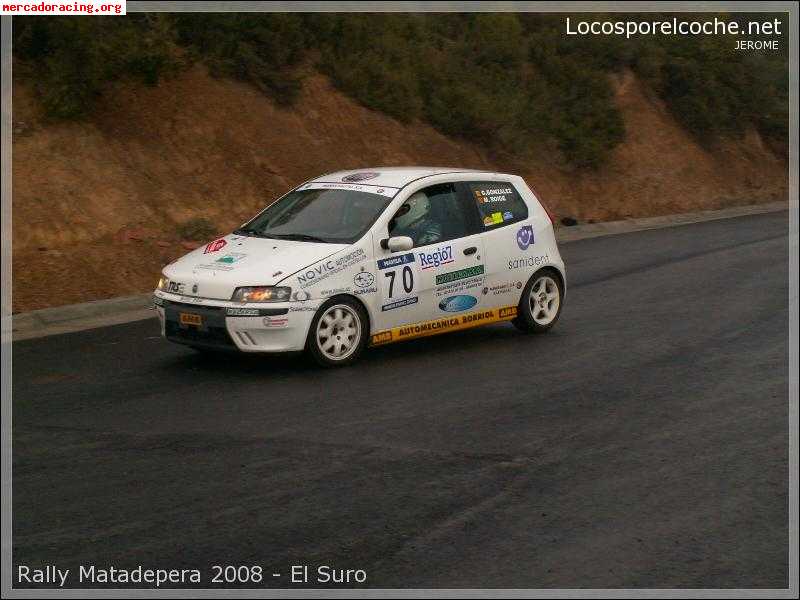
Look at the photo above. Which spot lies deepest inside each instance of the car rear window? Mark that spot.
(498, 203)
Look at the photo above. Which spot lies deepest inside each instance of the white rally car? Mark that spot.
(370, 257)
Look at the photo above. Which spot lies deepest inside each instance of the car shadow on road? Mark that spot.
(454, 346)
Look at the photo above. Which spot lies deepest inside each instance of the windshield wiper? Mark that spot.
(301, 237)
(253, 232)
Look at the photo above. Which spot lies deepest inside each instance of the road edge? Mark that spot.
(126, 309)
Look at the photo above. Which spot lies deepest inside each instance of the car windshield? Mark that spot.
(333, 216)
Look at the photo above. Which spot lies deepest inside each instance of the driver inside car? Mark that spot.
(414, 220)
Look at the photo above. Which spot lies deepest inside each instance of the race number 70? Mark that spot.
(406, 280)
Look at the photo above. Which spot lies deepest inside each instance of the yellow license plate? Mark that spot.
(191, 319)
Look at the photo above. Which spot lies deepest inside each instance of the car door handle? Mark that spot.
(470, 250)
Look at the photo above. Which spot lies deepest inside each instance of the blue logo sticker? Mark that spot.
(525, 237)
(394, 261)
(458, 303)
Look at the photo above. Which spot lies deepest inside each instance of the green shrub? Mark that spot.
(72, 58)
(196, 228)
(262, 48)
(513, 83)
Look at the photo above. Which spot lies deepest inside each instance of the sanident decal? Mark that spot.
(528, 262)
(407, 332)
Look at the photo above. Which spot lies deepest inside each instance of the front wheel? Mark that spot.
(540, 305)
(338, 333)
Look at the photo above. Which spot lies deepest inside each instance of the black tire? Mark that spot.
(534, 322)
(356, 341)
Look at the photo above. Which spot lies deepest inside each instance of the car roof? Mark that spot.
(395, 177)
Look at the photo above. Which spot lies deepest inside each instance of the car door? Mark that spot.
(444, 272)
(508, 235)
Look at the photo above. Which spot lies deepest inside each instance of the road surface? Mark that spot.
(642, 442)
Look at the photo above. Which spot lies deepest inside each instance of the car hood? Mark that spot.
(218, 268)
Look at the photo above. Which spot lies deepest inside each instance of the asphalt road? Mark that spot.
(642, 442)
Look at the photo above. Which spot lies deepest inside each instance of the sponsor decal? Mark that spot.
(507, 312)
(487, 221)
(176, 287)
(525, 237)
(241, 312)
(508, 215)
(395, 261)
(360, 177)
(277, 321)
(364, 279)
(231, 258)
(497, 218)
(407, 332)
(329, 267)
(382, 338)
(400, 303)
(458, 303)
(502, 288)
(215, 246)
(301, 308)
(195, 288)
(334, 291)
(460, 286)
(301, 296)
(388, 192)
(460, 274)
(528, 262)
(435, 259)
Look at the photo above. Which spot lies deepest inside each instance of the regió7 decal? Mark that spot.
(426, 328)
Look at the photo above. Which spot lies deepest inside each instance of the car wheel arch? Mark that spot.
(357, 300)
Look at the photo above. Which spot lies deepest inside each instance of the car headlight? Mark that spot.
(163, 282)
(262, 293)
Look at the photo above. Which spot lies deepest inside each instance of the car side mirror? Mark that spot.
(398, 243)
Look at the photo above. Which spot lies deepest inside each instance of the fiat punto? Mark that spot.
(370, 257)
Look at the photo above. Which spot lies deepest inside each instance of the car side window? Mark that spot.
(431, 215)
(498, 203)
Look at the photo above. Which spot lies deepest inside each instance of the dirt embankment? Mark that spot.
(97, 205)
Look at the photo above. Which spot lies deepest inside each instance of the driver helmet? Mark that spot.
(418, 206)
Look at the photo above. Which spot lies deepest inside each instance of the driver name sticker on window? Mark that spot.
(498, 203)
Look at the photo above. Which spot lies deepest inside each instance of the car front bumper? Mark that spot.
(278, 327)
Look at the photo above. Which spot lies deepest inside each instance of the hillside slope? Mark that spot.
(97, 205)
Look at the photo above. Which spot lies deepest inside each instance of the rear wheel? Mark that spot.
(540, 305)
(338, 333)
